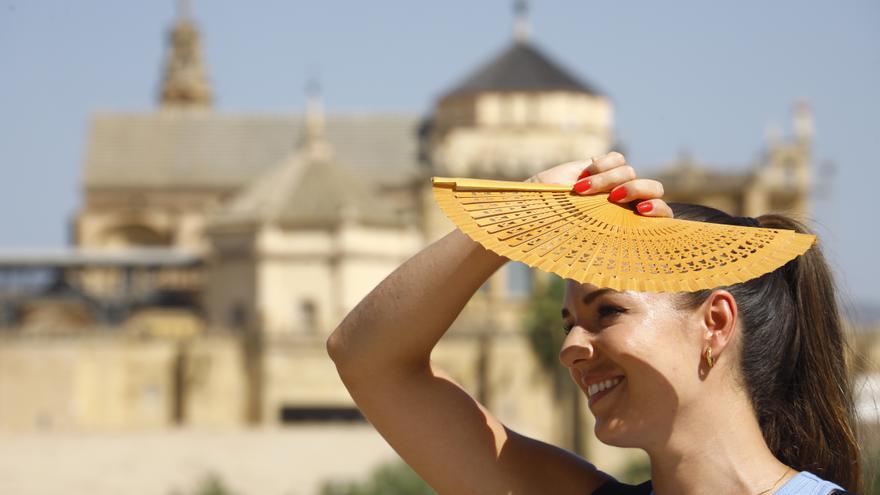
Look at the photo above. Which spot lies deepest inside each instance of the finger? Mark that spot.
(586, 170)
(605, 180)
(636, 189)
(568, 169)
(654, 208)
(603, 163)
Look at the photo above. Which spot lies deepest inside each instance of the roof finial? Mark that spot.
(185, 82)
(315, 136)
(803, 121)
(184, 9)
(314, 108)
(521, 28)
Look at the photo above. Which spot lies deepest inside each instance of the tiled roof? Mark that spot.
(302, 191)
(200, 148)
(521, 67)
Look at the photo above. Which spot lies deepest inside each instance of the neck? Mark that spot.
(716, 447)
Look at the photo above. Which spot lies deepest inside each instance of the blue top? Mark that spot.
(807, 483)
(803, 483)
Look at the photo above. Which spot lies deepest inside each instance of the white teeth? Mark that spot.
(603, 385)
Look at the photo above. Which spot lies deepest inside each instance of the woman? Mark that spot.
(737, 390)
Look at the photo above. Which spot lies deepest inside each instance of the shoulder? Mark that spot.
(613, 487)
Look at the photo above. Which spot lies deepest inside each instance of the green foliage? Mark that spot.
(389, 479)
(211, 484)
(544, 323)
(544, 327)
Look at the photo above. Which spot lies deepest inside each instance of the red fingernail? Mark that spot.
(617, 194)
(644, 207)
(582, 186)
(585, 173)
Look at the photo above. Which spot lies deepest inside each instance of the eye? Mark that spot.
(610, 311)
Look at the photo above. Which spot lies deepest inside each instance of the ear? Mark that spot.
(719, 314)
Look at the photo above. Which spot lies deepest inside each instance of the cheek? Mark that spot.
(655, 353)
(648, 340)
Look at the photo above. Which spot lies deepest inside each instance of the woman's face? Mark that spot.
(636, 357)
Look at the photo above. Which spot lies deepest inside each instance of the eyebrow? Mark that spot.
(589, 298)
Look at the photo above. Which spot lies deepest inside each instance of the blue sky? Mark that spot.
(706, 77)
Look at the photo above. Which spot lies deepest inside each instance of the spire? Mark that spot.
(803, 122)
(772, 135)
(185, 82)
(521, 28)
(184, 9)
(315, 142)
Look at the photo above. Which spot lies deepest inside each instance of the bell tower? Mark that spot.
(185, 82)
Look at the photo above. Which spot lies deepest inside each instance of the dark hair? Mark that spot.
(793, 361)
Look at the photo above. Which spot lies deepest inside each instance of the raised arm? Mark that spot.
(382, 352)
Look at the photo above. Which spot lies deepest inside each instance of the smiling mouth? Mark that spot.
(598, 390)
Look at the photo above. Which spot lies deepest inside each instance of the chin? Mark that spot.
(617, 433)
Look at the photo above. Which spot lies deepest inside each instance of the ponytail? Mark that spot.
(793, 362)
(820, 416)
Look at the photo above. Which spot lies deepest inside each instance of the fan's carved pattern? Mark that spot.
(589, 239)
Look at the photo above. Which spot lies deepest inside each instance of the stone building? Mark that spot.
(265, 230)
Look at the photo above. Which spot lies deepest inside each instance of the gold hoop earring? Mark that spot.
(709, 359)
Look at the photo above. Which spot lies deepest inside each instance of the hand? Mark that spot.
(609, 172)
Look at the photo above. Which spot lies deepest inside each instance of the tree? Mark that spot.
(211, 484)
(394, 478)
(543, 325)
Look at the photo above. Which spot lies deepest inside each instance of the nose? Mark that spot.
(578, 345)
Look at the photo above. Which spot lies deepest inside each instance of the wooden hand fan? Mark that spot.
(591, 240)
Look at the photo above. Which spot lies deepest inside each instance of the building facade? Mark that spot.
(287, 222)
